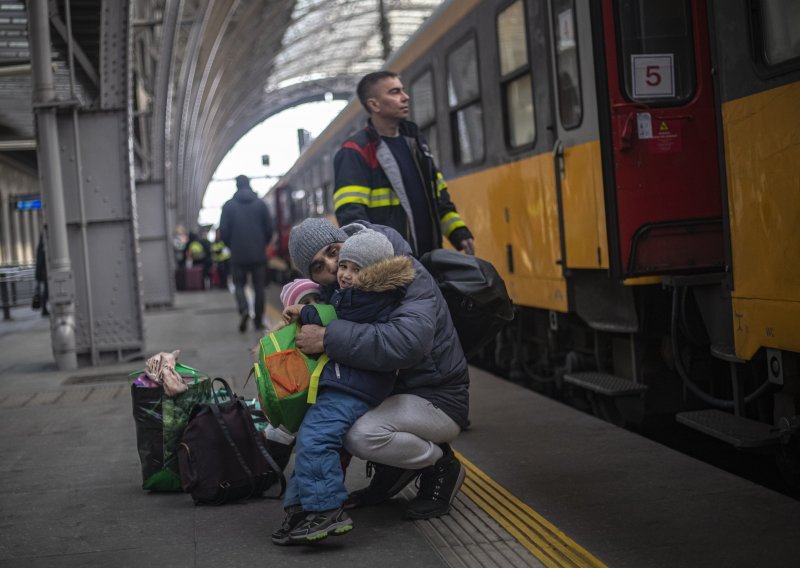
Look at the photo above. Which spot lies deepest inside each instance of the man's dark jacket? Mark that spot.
(369, 186)
(246, 227)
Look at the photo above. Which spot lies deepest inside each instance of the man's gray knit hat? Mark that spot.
(308, 238)
(366, 247)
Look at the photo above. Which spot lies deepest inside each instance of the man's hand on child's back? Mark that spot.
(310, 338)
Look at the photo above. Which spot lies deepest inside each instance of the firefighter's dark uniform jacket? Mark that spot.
(369, 186)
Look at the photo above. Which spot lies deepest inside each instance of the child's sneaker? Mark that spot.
(317, 526)
(294, 515)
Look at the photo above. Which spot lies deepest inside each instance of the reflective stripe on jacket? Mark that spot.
(369, 186)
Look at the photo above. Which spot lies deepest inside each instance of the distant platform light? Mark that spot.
(328, 97)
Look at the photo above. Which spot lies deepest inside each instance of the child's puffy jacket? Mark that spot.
(380, 290)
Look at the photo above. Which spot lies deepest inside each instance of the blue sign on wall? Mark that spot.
(29, 204)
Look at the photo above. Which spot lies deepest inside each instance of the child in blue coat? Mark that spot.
(372, 283)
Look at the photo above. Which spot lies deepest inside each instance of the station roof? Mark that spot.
(233, 63)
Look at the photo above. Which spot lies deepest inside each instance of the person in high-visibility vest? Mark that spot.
(198, 253)
(385, 173)
(221, 255)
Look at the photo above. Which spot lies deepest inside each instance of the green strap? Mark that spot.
(326, 313)
(179, 367)
(274, 342)
(313, 384)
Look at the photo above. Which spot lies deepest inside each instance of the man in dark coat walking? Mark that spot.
(246, 228)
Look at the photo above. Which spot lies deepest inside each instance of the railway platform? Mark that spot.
(547, 485)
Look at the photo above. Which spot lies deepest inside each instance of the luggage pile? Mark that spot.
(194, 434)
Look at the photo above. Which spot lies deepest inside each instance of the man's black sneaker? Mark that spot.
(316, 526)
(438, 486)
(387, 482)
(243, 322)
(294, 515)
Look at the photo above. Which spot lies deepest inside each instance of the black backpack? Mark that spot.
(223, 458)
(475, 294)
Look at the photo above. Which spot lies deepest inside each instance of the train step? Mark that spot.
(604, 383)
(738, 431)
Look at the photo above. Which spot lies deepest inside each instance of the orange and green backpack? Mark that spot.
(286, 378)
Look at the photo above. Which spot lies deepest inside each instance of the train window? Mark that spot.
(423, 108)
(656, 50)
(779, 30)
(463, 95)
(515, 76)
(570, 102)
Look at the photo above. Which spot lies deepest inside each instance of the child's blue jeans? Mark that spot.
(317, 482)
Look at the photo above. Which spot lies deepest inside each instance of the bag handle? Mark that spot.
(225, 385)
(179, 367)
(313, 384)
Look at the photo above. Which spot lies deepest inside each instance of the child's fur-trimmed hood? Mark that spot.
(390, 274)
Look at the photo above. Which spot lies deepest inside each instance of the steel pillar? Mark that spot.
(59, 267)
(5, 223)
(155, 229)
(97, 157)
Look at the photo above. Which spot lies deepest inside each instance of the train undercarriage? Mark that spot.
(675, 362)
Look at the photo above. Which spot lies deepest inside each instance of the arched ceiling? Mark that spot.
(205, 72)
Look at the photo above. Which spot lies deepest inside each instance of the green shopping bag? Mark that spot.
(160, 421)
(286, 378)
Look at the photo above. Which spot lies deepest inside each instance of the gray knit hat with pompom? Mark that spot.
(308, 238)
(366, 248)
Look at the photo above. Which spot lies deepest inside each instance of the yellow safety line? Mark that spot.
(551, 546)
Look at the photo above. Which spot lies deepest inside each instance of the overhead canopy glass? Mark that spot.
(335, 38)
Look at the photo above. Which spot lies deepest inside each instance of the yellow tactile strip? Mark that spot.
(469, 538)
(551, 546)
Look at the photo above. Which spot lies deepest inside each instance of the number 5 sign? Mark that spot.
(653, 76)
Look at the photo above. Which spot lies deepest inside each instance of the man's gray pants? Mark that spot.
(403, 431)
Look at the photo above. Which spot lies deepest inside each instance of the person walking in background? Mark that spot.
(246, 227)
(41, 277)
(386, 174)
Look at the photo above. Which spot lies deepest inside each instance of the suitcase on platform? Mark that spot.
(193, 279)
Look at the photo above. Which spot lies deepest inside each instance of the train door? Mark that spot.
(665, 161)
(576, 150)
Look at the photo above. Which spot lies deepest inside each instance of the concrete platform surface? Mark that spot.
(547, 485)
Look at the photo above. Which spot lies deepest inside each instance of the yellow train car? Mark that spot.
(632, 170)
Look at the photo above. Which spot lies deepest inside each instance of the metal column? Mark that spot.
(5, 223)
(59, 266)
(97, 156)
(155, 226)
